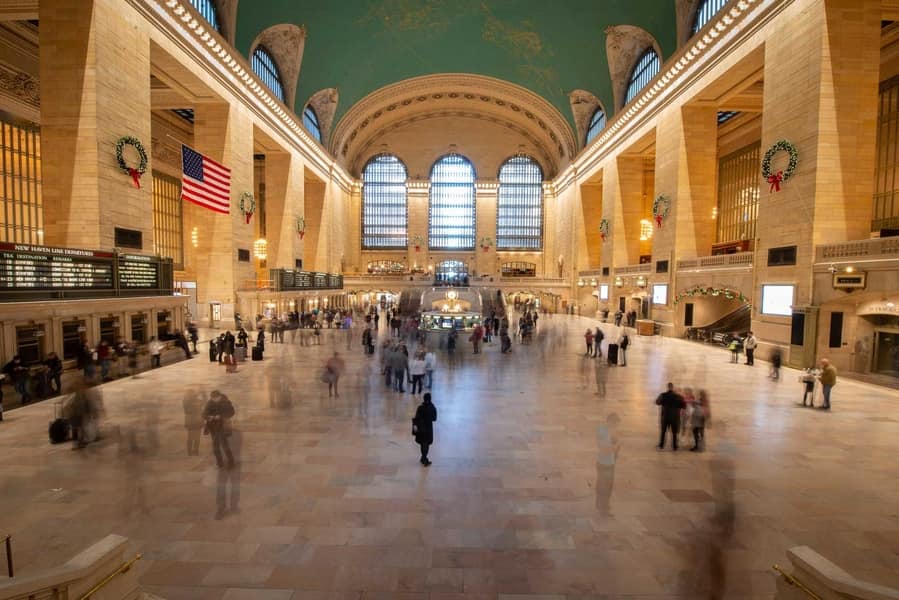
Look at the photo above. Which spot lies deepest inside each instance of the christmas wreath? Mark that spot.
(699, 290)
(141, 168)
(661, 206)
(604, 229)
(417, 242)
(486, 243)
(247, 205)
(301, 227)
(775, 179)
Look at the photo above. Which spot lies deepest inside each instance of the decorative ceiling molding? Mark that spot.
(370, 148)
(19, 85)
(285, 42)
(624, 46)
(324, 103)
(583, 105)
(463, 93)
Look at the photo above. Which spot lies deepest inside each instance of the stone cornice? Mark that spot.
(178, 20)
(736, 22)
(20, 86)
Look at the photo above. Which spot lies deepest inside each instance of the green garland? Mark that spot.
(775, 179)
(699, 290)
(604, 229)
(247, 205)
(661, 206)
(141, 168)
(417, 242)
(301, 227)
(486, 242)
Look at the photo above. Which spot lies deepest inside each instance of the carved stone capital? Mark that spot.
(21, 86)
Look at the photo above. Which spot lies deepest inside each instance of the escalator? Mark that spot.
(492, 301)
(722, 331)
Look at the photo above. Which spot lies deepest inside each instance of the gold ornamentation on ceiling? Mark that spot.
(20, 85)
(453, 95)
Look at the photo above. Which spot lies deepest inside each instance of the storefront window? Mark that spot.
(71, 339)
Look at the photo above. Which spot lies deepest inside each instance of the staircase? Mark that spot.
(410, 302)
(725, 328)
(492, 302)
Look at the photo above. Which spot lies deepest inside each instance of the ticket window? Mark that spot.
(109, 330)
(164, 324)
(30, 344)
(139, 328)
(71, 339)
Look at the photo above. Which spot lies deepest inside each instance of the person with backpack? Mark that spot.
(623, 343)
(423, 427)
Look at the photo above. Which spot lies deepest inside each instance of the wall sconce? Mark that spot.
(195, 237)
(593, 282)
(260, 249)
(641, 281)
(580, 283)
(645, 229)
(714, 213)
(619, 282)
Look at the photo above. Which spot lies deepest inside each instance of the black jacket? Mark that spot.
(425, 416)
(672, 403)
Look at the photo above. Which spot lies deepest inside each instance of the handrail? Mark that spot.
(123, 568)
(795, 582)
(8, 541)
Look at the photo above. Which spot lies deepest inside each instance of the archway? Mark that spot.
(453, 272)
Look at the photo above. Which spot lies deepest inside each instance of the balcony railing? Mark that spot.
(859, 250)
(633, 269)
(722, 261)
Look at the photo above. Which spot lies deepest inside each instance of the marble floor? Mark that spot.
(546, 482)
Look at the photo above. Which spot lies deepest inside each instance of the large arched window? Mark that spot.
(707, 9)
(451, 214)
(207, 10)
(264, 66)
(310, 122)
(597, 123)
(644, 70)
(519, 213)
(385, 214)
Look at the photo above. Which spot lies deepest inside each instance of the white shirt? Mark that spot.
(417, 366)
(430, 361)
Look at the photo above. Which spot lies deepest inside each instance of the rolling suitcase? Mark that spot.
(59, 427)
(612, 354)
(240, 354)
(257, 353)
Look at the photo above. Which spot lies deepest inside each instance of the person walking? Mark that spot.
(217, 415)
(828, 379)
(623, 343)
(734, 348)
(598, 336)
(699, 418)
(54, 372)
(430, 365)
(423, 427)
(16, 371)
(671, 404)
(750, 344)
(588, 338)
(155, 347)
(476, 335)
(417, 368)
(193, 419)
(333, 371)
(776, 359)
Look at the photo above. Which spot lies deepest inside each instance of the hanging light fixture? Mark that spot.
(260, 249)
(645, 229)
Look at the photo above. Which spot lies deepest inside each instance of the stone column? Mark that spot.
(224, 134)
(486, 196)
(95, 89)
(283, 205)
(417, 202)
(623, 207)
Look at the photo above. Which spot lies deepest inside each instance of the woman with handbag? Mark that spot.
(423, 427)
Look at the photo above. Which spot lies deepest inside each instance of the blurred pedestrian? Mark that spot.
(217, 416)
(423, 427)
(671, 404)
(828, 379)
(699, 418)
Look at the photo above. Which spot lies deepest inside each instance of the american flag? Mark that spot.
(204, 181)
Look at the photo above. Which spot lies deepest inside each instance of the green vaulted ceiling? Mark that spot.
(548, 46)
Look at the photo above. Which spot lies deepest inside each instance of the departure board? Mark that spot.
(138, 272)
(24, 266)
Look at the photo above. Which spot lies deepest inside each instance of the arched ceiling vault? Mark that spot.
(456, 96)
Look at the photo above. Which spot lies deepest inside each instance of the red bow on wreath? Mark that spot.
(659, 219)
(135, 176)
(602, 235)
(775, 181)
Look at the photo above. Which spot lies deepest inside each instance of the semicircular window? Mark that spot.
(597, 124)
(385, 213)
(704, 13)
(451, 204)
(644, 70)
(265, 68)
(310, 122)
(519, 212)
(207, 10)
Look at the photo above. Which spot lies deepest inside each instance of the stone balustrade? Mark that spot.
(633, 269)
(721, 261)
(826, 580)
(859, 250)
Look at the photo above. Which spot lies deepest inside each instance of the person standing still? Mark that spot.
(750, 344)
(828, 380)
(623, 343)
(423, 427)
(430, 365)
(217, 415)
(417, 369)
(588, 338)
(672, 404)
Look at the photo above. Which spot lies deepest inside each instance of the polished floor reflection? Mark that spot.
(546, 482)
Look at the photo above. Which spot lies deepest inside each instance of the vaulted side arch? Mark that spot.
(285, 42)
(625, 44)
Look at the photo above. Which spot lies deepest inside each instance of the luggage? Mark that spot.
(612, 354)
(59, 427)
(240, 354)
(213, 353)
(257, 353)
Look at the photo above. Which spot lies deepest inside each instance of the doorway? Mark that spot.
(886, 353)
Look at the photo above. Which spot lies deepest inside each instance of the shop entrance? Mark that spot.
(886, 353)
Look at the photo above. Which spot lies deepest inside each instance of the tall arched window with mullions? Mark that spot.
(704, 13)
(644, 70)
(519, 214)
(385, 212)
(265, 68)
(597, 123)
(207, 10)
(310, 122)
(451, 205)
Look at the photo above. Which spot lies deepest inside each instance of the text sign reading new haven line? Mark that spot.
(23, 266)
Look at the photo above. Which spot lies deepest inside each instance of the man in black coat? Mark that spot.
(672, 404)
(423, 427)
